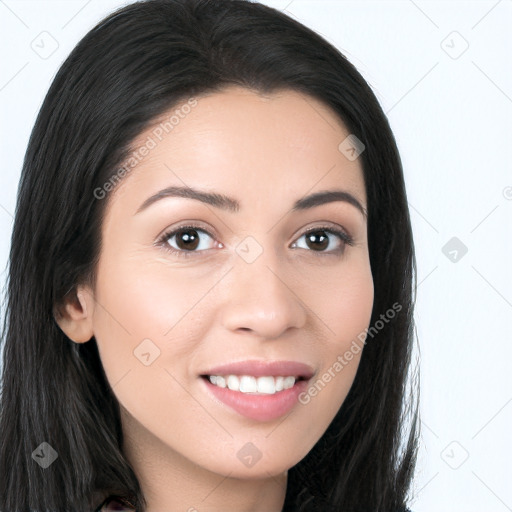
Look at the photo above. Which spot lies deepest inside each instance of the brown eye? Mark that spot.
(187, 239)
(317, 240)
(324, 241)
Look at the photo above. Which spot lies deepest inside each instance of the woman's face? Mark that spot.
(240, 285)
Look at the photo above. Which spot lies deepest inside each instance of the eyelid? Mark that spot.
(334, 229)
(328, 226)
(162, 240)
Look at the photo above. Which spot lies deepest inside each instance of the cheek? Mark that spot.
(345, 308)
(342, 300)
(147, 300)
(350, 312)
(146, 313)
(148, 323)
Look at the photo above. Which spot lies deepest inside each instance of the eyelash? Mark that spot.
(162, 241)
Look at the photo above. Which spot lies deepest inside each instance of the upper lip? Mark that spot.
(263, 368)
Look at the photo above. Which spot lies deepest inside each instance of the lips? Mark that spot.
(258, 407)
(263, 368)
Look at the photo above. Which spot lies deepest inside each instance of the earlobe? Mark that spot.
(75, 316)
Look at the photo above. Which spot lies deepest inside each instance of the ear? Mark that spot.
(74, 317)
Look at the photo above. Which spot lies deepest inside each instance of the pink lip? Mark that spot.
(263, 368)
(259, 407)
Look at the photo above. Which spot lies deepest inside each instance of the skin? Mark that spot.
(214, 307)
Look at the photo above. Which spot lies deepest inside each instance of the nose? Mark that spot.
(259, 299)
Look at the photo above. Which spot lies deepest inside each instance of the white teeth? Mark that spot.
(233, 383)
(248, 384)
(266, 385)
(289, 382)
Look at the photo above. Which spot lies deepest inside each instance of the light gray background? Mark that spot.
(443, 74)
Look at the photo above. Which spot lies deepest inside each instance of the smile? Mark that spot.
(267, 385)
(257, 406)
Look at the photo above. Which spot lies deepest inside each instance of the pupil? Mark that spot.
(319, 242)
(189, 238)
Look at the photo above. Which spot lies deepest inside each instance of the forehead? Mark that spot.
(245, 143)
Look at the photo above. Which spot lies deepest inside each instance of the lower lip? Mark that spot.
(259, 407)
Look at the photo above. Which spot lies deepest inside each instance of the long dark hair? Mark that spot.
(132, 67)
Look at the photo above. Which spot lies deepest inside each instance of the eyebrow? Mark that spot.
(232, 205)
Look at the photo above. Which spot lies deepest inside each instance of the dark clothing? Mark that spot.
(116, 504)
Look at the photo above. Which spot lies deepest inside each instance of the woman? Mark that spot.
(211, 276)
